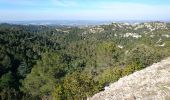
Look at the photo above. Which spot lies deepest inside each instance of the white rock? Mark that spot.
(119, 46)
(135, 35)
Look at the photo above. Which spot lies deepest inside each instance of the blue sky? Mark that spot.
(84, 10)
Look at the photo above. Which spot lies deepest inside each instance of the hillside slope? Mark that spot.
(152, 83)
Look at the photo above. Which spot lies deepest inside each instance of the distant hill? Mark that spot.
(74, 22)
(152, 83)
(59, 22)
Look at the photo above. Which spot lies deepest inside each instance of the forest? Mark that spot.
(59, 62)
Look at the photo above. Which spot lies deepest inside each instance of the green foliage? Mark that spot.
(23, 69)
(105, 54)
(129, 69)
(44, 75)
(65, 62)
(109, 75)
(78, 86)
(58, 92)
(10, 94)
(5, 62)
(142, 55)
(6, 80)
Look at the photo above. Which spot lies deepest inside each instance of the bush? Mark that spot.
(79, 86)
(142, 56)
(109, 75)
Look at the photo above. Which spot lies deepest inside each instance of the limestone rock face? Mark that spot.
(151, 83)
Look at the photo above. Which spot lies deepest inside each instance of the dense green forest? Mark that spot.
(74, 62)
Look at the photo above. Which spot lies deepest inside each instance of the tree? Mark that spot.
(106, 54)
(78, 86)
(6, 80)
(58, 92)
(109, 75)
(23, 69)
(142, 56)
(129, 69)
(5, 63)
(44, 75)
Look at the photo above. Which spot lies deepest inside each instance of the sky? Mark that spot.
(20, 10)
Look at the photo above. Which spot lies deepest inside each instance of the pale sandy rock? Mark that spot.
(134, 35)
(151, 83)
(120, 46)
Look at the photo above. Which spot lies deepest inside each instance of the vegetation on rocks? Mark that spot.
(149, 83)
(68, 62)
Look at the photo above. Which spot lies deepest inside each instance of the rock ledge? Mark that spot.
(151, 83)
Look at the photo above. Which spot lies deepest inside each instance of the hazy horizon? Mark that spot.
(100, 10)
(77, 22)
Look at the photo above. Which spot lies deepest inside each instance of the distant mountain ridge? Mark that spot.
(58, 22)
(74, 22)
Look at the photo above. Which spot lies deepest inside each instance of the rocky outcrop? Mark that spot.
(151, 83)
